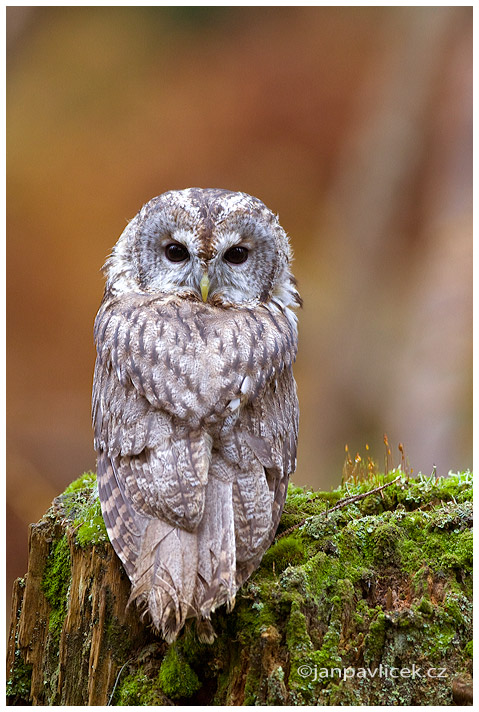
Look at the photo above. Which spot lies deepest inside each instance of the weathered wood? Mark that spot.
(74, 658)
(383, 583)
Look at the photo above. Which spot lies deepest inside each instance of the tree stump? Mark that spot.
(368, 604)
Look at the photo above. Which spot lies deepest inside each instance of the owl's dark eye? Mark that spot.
(176, 252)
(236, 255)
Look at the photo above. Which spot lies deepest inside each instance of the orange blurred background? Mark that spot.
(353, 123)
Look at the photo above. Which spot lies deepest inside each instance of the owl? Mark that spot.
(194, 405)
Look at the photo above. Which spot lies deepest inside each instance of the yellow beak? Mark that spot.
(205, 287)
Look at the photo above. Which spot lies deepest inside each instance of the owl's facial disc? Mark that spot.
(223, 248)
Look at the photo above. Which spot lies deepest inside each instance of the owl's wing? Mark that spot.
(159, 465)
(191, 360)
(269, 425)
(152, 475)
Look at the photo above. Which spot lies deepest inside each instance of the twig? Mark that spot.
(357, 497)
(342, 503)
(116, 681)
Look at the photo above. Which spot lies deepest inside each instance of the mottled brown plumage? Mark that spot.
(194, 402)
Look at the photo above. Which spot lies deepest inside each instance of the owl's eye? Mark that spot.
(236, 255)
(176, 252)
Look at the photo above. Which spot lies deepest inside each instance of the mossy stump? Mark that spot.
(368, 604)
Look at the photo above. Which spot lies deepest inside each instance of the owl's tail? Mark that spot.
(216, 576)
(181, 574)
(164, 577)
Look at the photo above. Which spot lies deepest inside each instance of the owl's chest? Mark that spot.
(198, 363)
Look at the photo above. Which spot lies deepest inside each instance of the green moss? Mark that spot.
(425, 606)
(301, 500)
(328, 656)
(176, 678)
(91, 529)
(457, 609)
(19, 682)
(139, 689)
(56, 582)
(82, 506)
(300, 649)
(322, 525)
(288, 551)
(458, 553)
(297, 636)
(386, 540)
(454, 517)
(468, 649)
(426, 544)
(252, 682)
(346, 592)
(85, 482)
(374, 641)
(255, 607)
(423, 489)
(302, 503)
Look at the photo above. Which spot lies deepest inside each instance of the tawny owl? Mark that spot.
(194, 401)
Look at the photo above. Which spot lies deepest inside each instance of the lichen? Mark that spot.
(276, 689)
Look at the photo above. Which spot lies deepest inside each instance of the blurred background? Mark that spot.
(354, 124)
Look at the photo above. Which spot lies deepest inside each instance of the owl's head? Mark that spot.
(222, 247)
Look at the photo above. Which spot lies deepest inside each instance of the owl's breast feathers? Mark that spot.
(194, 361)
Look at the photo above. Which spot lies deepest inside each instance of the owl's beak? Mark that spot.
(205, 287)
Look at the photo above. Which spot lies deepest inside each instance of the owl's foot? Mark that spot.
(205, 631)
